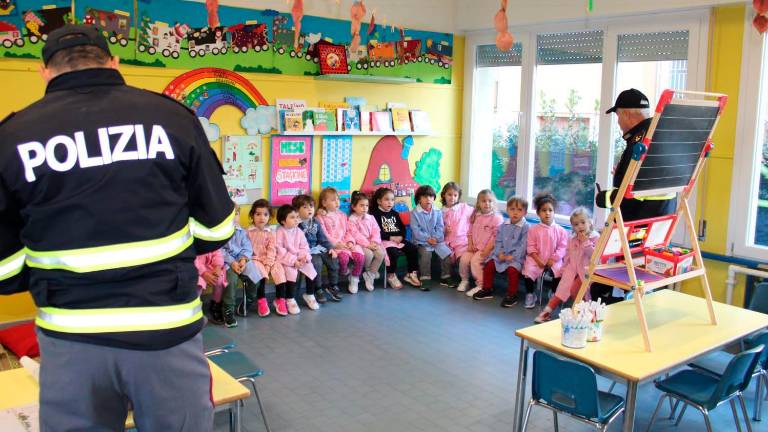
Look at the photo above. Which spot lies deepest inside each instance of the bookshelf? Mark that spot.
(366, 79)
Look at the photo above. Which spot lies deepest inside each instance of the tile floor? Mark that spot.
(406, 361)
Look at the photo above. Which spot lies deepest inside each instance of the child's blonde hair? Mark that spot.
(582, 212)
(324, 194)
(477, 202)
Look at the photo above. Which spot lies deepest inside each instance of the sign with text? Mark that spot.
(291, 168)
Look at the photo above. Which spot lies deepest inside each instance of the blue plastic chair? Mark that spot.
(706, 392)
(715, 364)
(214, 342)
(242, 369)
(569, 387)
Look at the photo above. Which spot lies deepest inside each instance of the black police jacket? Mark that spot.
(98, 164)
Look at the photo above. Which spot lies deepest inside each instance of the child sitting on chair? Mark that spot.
(366, 234)
(456, 217)
(428, 231)
(508, 253)
(211, 273)
(547, 242)
(484, 226)
(580, 248)
(237, 256)
(293, 254)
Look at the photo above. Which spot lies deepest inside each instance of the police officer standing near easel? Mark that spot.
(633, 113)
(107, 194)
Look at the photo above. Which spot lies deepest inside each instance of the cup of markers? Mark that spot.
(583, 323)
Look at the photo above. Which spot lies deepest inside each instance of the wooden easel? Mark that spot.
(664, 163)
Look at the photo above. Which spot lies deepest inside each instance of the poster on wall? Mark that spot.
(291, 168)
(337, 167)
(241, 159)
(175, 34)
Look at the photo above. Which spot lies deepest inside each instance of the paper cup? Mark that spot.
(595, 332)
(573, 337)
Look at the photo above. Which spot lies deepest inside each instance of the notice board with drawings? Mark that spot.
(291, 168)
(241, 159)
(337, 167)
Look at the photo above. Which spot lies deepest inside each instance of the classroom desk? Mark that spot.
(226, 390)
(678, 324)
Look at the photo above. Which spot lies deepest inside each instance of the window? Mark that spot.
(651, 63)
(567, 105)
(748, 217)
(498, 95)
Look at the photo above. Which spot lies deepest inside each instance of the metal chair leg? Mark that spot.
(744, 412)
(554, 417)
(706, 421)
(527, 415)
(656, 411)
(682, 411)
(610, 389)
(258, 401)
(735, 415)
(674, 409)
(759, 395)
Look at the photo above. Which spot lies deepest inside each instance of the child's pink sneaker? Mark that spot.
(280, 307)
(263, 307)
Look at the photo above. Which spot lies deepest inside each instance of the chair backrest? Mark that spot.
(566, 385)
(759, 300)
(759, 338)
(737, 375)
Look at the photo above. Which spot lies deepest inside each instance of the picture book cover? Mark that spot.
(351, 119)
(381, 121)
(401, 121)
(308, 120)
(294, 121)
(420, 121)
(321, 120)
(330, 120)
(365, 121)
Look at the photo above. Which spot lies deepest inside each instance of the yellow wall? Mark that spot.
(724, 73)
(22, 86)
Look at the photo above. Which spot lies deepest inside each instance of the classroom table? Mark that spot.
(678, 324)
(226, 390)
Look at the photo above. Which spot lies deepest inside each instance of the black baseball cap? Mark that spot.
(71, 36)
(631, 98)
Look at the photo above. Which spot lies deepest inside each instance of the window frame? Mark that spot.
(744, 182)
(696, 21)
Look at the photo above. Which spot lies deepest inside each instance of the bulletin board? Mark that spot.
(243, 167)
(291, 168)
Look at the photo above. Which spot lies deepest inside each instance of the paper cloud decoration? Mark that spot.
(211, 129)
(259, 120)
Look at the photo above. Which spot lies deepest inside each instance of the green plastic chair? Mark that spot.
(569, 387)
(242, 369)
(214, 342)
(706, 392)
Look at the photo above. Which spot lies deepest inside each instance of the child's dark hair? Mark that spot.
(380, 192)
(544, 198)
(424, 191)
(518, 201)
(259, 203)
(283, 212)
(447, 187)
(324, 194)
(356, 197)
(300, 201)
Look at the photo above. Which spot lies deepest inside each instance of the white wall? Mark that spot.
(434, 15)
(478, 14)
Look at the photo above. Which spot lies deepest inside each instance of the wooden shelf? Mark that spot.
(366, 79)
(348, 133)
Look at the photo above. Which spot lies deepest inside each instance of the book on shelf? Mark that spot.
(321, 119)
(332, 106)
(308, 120)
(330, 120)
(420, 121)
(351, 119)
(401, 122)
(294, 121)
(391, 105)
(365, 121)
(381, 121)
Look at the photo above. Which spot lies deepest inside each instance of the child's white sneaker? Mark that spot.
(473, 291)
(310, 301)
(293, 308)
(369, 277)
(394, 282)
(353, 282)
(462, 286)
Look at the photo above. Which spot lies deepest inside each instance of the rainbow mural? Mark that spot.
(206, 89)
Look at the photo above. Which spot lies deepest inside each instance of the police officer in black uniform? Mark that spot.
(107, 194)
(632, 108)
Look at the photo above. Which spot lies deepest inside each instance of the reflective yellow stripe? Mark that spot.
(113, 256)
(119, 319)
(12, 265)
(221, 231)
(656, 197)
